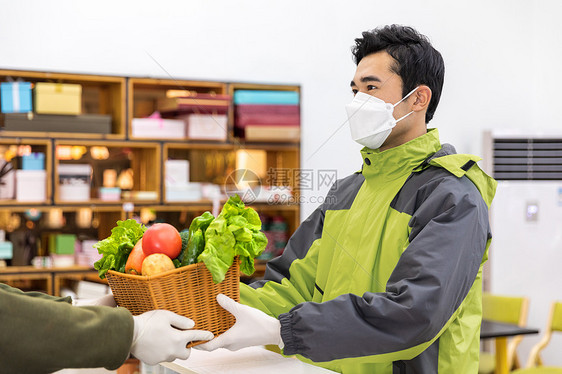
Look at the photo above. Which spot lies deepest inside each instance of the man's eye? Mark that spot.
(354, 91)
(371, 87)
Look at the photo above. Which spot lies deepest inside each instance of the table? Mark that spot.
(500, 332)
(251, 360)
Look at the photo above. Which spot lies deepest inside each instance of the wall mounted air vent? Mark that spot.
(524, 157)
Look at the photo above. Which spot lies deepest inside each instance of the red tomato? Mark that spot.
(135, 259)
(161, 238)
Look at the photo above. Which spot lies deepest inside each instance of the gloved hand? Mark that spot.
(106, 300)
(252, 327)
(162, 336)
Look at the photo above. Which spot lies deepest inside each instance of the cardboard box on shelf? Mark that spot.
(91, 290)
(266, 97)
(58, 98)
(195, 103)
(31, 185)
(183, 192)
(110, 193)
(33, 161)
(7, 180)
(84, 123)
(62, 244)
(206, 126)
(74, 182)
(61, 261)
(272, 133)
(177, 171)
(87, 255)
(6, 250)
(15, 97)
(158, 128)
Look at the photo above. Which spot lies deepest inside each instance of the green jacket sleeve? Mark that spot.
(43, 334)
(290, 278)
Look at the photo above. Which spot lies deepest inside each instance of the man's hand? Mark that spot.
(106, 300)
(162, 336)
(252, 327)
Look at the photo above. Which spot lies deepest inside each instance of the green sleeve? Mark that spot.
(290, 278)
(51, 334)
(277, 297)
(41, 295)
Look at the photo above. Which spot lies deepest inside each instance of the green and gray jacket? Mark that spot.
(42, 334)
(386, 275)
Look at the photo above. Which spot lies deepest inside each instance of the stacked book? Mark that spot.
(271, 116)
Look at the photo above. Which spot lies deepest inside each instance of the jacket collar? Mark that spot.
(398, 161)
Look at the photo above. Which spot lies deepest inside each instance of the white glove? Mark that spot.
(162, 336)
(252, 327)
(106, 300)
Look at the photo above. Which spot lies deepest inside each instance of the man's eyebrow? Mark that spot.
(368, 78)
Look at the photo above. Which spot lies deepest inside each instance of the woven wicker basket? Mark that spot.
(188, 291)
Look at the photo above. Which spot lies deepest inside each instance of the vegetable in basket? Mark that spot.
(235, 232)
(162, 238)
(116, 248)
(214, 241)
(193, 240)
(135, 260)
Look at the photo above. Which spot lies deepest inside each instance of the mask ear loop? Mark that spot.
(405, 97)
(404, 116)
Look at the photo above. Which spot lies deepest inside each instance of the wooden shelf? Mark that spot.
(143, 158)
(100, 95)
(125, 98)
(37, 145)
(144, 94)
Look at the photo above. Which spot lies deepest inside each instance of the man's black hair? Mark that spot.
(417, 62)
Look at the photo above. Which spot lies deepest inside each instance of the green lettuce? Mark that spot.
(235, 232)
(218, 254)
(116, 248)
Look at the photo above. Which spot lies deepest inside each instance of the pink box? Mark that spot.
(158, 128)
(206, 126)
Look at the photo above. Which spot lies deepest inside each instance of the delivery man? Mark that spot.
(386, 275)
(42, 334)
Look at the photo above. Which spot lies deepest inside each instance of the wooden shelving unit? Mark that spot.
(142, 157)
(125, 98)
(100, 95)
(144, 94)
(37, 145)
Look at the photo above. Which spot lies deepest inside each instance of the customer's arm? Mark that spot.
(42, 334)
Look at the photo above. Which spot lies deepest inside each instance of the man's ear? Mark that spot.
(422, 96)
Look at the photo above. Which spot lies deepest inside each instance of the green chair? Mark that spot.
(507, 309)
(534, 364)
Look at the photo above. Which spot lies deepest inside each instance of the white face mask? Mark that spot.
(371, 120)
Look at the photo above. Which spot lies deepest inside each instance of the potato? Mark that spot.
(156, 263)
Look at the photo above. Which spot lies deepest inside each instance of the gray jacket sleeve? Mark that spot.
(449, 234)
(43, 334)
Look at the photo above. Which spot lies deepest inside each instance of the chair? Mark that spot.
(507, 309)
(534, 364)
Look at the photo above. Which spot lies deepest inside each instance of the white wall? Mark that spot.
(502, 56)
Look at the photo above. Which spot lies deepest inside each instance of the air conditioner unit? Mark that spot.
(526, 221)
